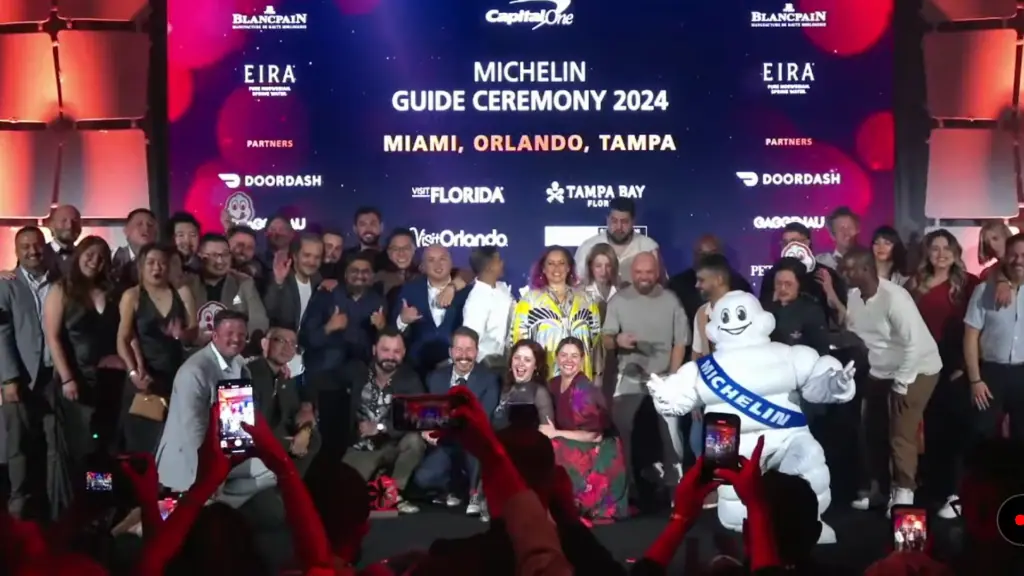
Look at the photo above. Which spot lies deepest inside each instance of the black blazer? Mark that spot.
(482, 382)
(684, 285)
(284, 307)
(276, 398)
(405, 382)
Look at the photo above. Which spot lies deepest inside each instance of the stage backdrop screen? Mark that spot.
(513, 124)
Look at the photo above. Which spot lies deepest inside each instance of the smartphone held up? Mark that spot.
(721, 444)
(235, 407)
(909, 529)
(422, 412)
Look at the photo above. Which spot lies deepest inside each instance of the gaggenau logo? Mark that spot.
(459, 239)
(752, 179)
(461, 194)
(779, 222)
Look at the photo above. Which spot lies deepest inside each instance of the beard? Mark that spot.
(620, 238)
(387, 365)
(369, 239)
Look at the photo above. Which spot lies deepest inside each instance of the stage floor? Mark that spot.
(863, 536)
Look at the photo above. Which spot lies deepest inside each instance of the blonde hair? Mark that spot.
(957, 273)
(602, 249)
(984, 252)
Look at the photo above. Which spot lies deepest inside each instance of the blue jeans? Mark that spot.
(696, 436)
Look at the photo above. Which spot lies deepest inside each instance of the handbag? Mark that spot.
(149, 406)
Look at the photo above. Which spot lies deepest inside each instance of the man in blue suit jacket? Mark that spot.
(426, 325)
(446, 462)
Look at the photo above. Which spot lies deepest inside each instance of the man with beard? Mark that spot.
(217, 287)
(25, 368)
(374, 446)
(279, 237)
(367, 227)
(843, 226)
(447, 462)
(242, 242)
(65, 224)
(139, 230)
(648, 328)
(621, 237)
(684, 284)
(334, 245)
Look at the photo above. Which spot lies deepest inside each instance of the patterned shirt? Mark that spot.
(375, 406)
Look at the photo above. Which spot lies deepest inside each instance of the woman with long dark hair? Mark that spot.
(942, 289)
(80, 321)
(524, 383)
(890, 255)
(555, 308)
(157, 321)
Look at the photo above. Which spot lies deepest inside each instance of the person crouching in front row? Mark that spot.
(374, 446)
(446, 462)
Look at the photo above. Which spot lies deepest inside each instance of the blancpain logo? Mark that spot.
(789, 18)
(554, 16)
(460, 239)
(268, 20)
(265, 80)
(596, 196)
(787, 78)
(461, 194)
(779, 222)
(235, 181)
(751, 179)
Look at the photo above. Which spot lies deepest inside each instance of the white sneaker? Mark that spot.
(867, 499)
(952, 508)
(473, 508)
(655, 473)
(900, 497)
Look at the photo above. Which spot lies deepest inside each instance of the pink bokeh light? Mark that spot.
(876, 141)
(854, 26)
(207, 193)
(357, 7)
(855, 190)
(180, 91)
(199, 33)
(244, 122)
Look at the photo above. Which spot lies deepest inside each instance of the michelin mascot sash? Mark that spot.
(746, 402)
(759, 380)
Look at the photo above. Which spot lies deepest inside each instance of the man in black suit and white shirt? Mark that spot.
(65, 225)
(446, 461)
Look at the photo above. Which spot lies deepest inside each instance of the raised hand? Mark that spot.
(328, 285)
(626, 340)
(474, 431)
(140, 469)
(338, 321)
(747, 480)
(688, 500)
(265, 444)
(282, 266)
(409, 314)
(377, 319)
(214, 465)
(445, 297)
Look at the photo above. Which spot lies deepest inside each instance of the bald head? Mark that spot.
(65, 224)
(437, 263)
(858, 268)
(706, 244)
(645, 272)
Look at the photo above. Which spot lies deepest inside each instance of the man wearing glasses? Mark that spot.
(217, 287)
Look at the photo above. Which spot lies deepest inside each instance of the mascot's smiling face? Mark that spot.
(738, 320)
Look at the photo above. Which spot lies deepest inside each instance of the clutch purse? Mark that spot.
(149, 406)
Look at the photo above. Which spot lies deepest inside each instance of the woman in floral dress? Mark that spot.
(579, 434)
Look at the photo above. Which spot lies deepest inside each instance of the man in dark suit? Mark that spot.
(447, 461)
(140, 229)
(25, 369)
(275, 395)
(65, 225)
(372, 444)
(684, 284)
(426, 324)
(217, 287)
(295, 279)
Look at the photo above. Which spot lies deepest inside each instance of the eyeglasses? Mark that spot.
(293, 345)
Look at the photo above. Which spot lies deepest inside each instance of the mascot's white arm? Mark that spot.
(676, 394)
(822, 379)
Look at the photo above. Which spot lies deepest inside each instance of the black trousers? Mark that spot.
(265, 514)
(26, 450)
(1006, 383)
(947, 436)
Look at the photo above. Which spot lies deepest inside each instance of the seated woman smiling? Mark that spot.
(593, 459)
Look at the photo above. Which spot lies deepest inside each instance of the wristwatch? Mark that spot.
(133, 373)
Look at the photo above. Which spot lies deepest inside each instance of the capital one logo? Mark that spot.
(555, 15)
(752, 179)
(459, 239)
(461, 194)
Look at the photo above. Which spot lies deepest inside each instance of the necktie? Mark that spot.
(460, 382)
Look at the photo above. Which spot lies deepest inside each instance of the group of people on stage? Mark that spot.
(106, 351)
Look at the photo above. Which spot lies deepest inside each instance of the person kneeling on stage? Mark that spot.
(276, 396)
(446, 461)
(375, 446)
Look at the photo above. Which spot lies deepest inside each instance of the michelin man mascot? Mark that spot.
(760, 381)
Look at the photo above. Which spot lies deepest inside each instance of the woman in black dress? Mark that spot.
(156, 322)
(524, 384)
(80, 324)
